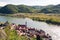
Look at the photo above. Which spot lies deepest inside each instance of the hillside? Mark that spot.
(30, 9)
(16, 9)
(25, 9)
(53, 9)
(9, 9)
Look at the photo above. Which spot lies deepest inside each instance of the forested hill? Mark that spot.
(52, 9)
(16, 9)
(30, 9)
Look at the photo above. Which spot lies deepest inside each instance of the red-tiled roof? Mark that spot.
(22, 26)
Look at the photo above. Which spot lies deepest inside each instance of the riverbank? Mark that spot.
(48, 18)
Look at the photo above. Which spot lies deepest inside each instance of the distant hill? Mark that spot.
(25, 9)
(29, 9)
(38, 7)
(9, 9)
(15, 9)
(52, 9)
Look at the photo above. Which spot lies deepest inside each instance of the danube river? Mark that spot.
(53, 30)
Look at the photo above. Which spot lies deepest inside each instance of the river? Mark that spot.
(53, 30)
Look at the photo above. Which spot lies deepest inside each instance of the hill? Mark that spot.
(25, 9)
(16, 9)
(30, 9)
(52, 9)
(9, 9)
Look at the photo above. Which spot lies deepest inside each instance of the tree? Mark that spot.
(38, 37)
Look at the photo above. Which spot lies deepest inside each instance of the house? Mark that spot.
(21, 27)
(42, 33)
(20, 33)
(13, 26)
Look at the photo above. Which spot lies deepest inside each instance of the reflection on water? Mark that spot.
(53, 30)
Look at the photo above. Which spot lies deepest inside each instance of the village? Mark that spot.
(23, 30)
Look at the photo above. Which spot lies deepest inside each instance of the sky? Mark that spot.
(30, 2)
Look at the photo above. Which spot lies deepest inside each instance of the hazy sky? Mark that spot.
(29, 2)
